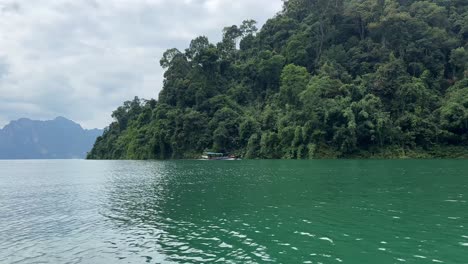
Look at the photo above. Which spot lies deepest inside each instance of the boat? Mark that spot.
(218, 156)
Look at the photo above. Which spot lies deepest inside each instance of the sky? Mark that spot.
(81, 59)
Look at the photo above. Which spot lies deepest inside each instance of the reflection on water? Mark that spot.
(234, 212)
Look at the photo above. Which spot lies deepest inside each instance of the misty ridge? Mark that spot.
(53, 139)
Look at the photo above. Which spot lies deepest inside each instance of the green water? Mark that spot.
(234, 212)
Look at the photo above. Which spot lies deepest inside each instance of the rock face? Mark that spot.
(54, 139)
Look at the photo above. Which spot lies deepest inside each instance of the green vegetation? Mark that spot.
(341, 78)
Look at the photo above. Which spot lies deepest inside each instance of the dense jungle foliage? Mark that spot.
(323, 78)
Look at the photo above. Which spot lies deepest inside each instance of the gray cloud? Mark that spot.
(81, 59)
(3, 68)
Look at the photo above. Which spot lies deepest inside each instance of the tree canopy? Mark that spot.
(322, 78)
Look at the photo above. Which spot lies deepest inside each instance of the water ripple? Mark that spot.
(246, 212)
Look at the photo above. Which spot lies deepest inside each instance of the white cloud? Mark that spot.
(83, 58)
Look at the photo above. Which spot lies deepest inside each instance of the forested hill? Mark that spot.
(323, 78)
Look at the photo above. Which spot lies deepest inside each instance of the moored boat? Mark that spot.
(218, 156)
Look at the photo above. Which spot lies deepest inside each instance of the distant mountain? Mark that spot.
(54, 139)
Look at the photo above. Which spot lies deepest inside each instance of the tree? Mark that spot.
(228, 45)
(454, 111)
(248, 28)
(294, 80)
(197, 47)
(248, 128)
(169, 56)
(388, 78)
(269, 70)
(459, 61)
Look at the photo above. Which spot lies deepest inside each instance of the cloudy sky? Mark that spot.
(82, 58)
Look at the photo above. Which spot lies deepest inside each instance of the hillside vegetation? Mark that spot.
(322, 79)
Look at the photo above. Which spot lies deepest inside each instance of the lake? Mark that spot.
(330, 211)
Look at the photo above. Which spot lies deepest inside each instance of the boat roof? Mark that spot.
(214, 153)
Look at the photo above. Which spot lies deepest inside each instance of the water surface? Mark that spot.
(234, 212)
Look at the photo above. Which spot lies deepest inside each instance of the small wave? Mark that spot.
(305, 234)
(455, 201)
(225, 245)
(327, 239)
(237, 234)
